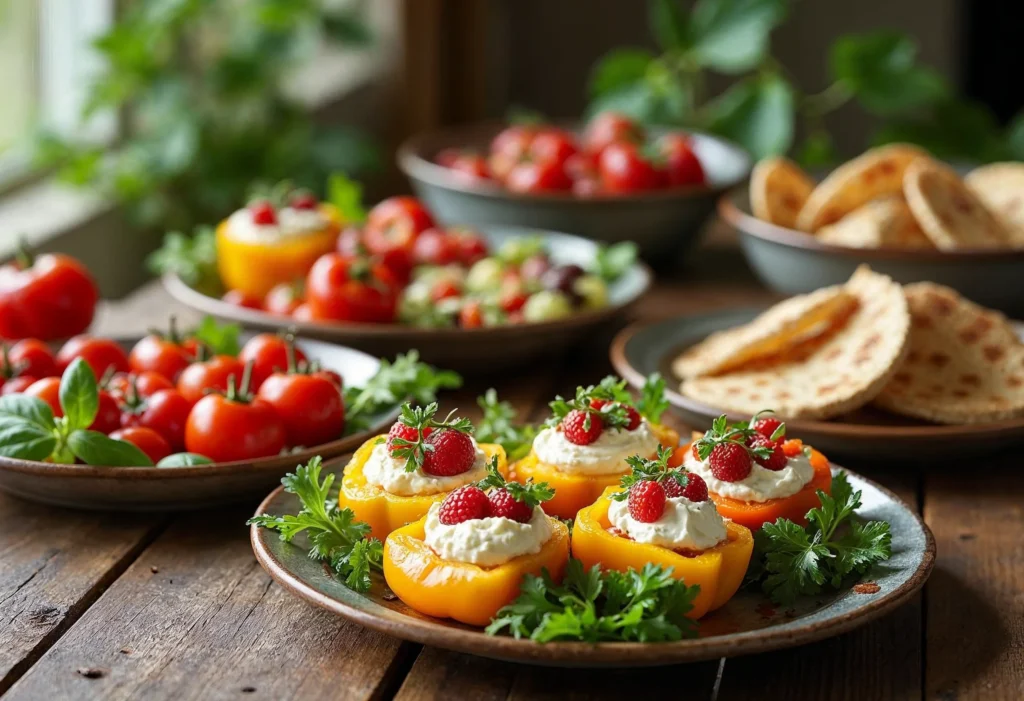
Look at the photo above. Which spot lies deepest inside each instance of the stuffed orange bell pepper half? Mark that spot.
(583, 448)
(394, 480)
(756, 476)
(664, 516)
(467, 557)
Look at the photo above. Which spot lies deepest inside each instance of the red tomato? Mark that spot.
(283, 298)
(47, 389)
(553, 146)
(17, 385)
(310, 407)
(144, 384)
(49, 298)
(681, 162)
(350, 289)
(513, 301)
(32, 357)
(624, 170)
(395, 223)
(398, 262)
(444, 289)
(350, 242)
(162, 354)
(166, 412)
(108, 414)
(581, 165)
(467, 164)
(536, 176)
(435, 247)
(332, 376)
(209, 376)
(471, 315)
(303, 312)
(471, 245)
(241, 299)
(225, 429)
(145, 439)
(586, 187)
(268, 354)
(608, 128)
(101, 354)
(509, 148)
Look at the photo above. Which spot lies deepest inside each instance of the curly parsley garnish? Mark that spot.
(498, 426)
(722, 431)
(532, 493)
(421, 419)
(645, 470)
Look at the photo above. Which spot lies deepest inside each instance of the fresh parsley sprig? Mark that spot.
(334, 534)
(650, 471)
(652, 403)
(613, 414)
(791, 561)
(422, 418)
(498, 426)
(612, 262)
(531, 493)
(723, 432)
(598, 605)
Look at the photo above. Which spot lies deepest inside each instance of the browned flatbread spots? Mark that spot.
(1000, 186)
(778, 190)
(883, 223)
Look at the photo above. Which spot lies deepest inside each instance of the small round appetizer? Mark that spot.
(584, 446)
(393, 480)
(664, 516)
(466, 558)
(756, 476)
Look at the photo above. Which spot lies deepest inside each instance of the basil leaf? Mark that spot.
(79, 394)
(221, 339)
(184, 460)
(24, 439)
(96, 449)
(31, 409)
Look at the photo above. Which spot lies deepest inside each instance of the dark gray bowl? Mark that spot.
(791, 261)
(663, 223)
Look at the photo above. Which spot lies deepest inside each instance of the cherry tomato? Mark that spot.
(166, 412)
(609, 128)
(241, 299)
(332, 376)
(471, 315)
(350, 289)
(471, 246)
(537, 176)
(581, 165)
(310, 407)
(268, 354)
(467, 164)
(436, 247)
(552, 146)
(165, 354)
(211, 375)
(303, 312)
(394, 224)
(681, 162)
(624, 170)
(32, 357)
(147, 440)
(513, 301)
(101, 354)
(398, 262)
(350, 242)
(49, 298)
(509, 148)
(108, 414)
(17, 385)
(47, 389)
(144, 384)
(444, 289)
(226, 428)
(283, 298)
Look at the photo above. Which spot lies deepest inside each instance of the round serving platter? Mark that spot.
(867, 433)
(747, 624)
(198, 486)
(485, 348)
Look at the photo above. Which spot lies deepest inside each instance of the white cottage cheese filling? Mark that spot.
(487, 542)
(389, 474)
(761, 484)
(605, 456)
(290, 222)
(684, 524)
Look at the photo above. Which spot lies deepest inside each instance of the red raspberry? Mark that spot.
(777, 460)
(453, 453)
(572, 427)
(263, 213)
(502, 504)
(729, 462)
(400, 430)
(646, 501)
(303, 201)
(672, 487)
(696, 489)
(464, 504)
(766, 425)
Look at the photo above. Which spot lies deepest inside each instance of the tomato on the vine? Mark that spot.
(165, 411)
(681, 162)
(351, 289)
(47, 298)
(165, 354)
(310, 406)
(608, 128)
(144, 384)
(510, 147)
(32, 357)
(538, 176)
(147, 440)
(624, 169)
(206, 376)
(103, 355)
(269, 353)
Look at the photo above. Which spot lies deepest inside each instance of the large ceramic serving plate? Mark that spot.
(747, 624)
(791, 261)
(452, 348)
(865, 434)
(173, 488)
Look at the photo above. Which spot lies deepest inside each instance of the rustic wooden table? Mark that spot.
(112, 606)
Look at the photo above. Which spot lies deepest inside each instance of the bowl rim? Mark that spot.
(731, 209)
(412, 161)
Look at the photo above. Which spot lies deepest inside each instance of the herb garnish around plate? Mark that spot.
(600, 605)
(791, 560)
(498, 426)
(335, 534)
(652, 403)
(613, 399)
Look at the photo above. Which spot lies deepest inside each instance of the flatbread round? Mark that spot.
(964, 363)
(950, 215)
(778, 190)
(831, 376)
(1000, 186)
(873, 174)
(884, 223)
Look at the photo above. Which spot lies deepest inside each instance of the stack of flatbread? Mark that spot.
(895, 196)
(921, 351)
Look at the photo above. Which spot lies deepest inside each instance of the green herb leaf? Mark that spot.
(396, 381)
(31, 409)
(184, 460)
(79, 395)
(618, 69)
(220, 339)
(93, 448)
(612, 262)
(498, 426)
(25, 439)
(758, 113)
(668, 25)
(653, 404)
(192, 258)
(732, 36)
(346, 195)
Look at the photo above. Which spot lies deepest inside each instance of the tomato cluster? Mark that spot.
(614, 156)
(170, 394)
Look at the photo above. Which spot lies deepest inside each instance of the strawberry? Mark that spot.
(574, 427)
(774, 462)
(263, 213)
(504, 505)
(672, 487)
(729, 462)
(405, 432)
(766, 425)
(464, 504)
(453, 453)
(634, 418)
(303, 200)
(646, 501)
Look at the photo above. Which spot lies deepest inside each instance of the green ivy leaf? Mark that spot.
(880, 69)
(732, 36)
(618, 69)
(668, 25)
(24, 439)
(79, 395)
(93, 448)
(757, 113)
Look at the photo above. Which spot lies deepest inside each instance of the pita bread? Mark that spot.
(778, 190)
(838, 374)
(1000, 187)
(873, 174)
(964, 364)
(884, 223)
(773, 333)
(951, 215)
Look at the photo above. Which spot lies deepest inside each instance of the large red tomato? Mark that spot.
(225, 428)
(32, 357)
(103, 355)
(309, 405)
(351, 289)
(49, 298)
(625, 170)
(268, 353)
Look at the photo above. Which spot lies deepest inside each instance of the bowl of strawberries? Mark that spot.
(610, 179)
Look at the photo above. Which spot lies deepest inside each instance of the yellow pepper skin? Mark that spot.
(719, 570)
(573, 492)
(385, 511)
(467, 593)
(255, 268)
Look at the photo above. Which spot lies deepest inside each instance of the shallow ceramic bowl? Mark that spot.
(664, 224)
(198, 486)
(791, 261)
(466, 350)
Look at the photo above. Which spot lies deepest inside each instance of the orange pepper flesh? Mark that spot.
(719, 570)
(254, 268)
(383, 511)
(574, 491)
(467, 593)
